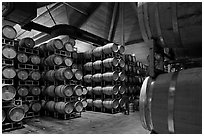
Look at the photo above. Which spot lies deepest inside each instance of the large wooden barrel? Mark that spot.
(122, 102)
(77, 74)
(97, 77)
(172, 103)
(84, 103)
(8, 72)
(22, 74)
(97, 52)
(77, 89)
(23, 91)
(3, 115)
(97, 103)
(89, 102)
(64, 108)
(63, 91)
(35, 75)
(8, 52)
(34, 59)
(173, 25)
(25, 107)
(35, 106)
(50, 106)
(50, 91)
(88, 66)
(121, 49)
(53, 60)
(84, 91)
(78, 106)
(68, 47)
(122, 89)
(55, 44)
(109, 48)
(88, 78)
(68, 61)
(9, 32)
(15, 114)
(110, 90)
(111, 76)
(90, 90)
(8, 92)
(122, 76)
(110, 62)
(121, 63)
(97, 64)
(63, 74)
(97, 90)
(27, 42)
(50, 75)
(22, 58)
(35, 90)
(111, 103)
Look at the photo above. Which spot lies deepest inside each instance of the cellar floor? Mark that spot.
(89, 123)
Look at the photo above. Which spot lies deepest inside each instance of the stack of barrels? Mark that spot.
(136, 72)
(62, 79)
(104, 78)
(12, 112)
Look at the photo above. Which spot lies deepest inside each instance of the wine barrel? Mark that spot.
(50, 75)
(134, 60)
(90, 90)
(122, 102)
(50, 106)
(27, 42)
(110, 90)
(8, 52)
(8, 92)
(8, 72)
(53, 60)
(97, 90)
(111, 103)
(97, 77)
(97, 103)
(173, 25)
(43, 103)
(121, 49)
(50, 91)
(110, 62)
(121, 63)
(35, 75)
(97, 52)
(72, 42)
(130, 68)
(174, 98)
(89, 102)
(88, 66)
(77, 89)
(23, 91)
(97, 64)
(87, 54)
(122, 89)
(34, 59)
(109, 48)
(126, 68)
(68, 47)
(55, 44)
(9, 32)
(22, 74)
(68, 61)
(88, 78)
(63, 74)
(131, 107)
(64, 108)
(35, 90)
(15, 114)
(84, 91)
(130, 89)
(75, 55)
(77, 74)
(22, 58)
(63, 91)
(78, 106)
(84, 103)
(122, 76)
(36, 106)
(25, 107)
(3, 115)
(111, 76)
(74, 66)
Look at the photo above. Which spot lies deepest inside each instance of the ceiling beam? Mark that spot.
(75, 8)
(134, 42)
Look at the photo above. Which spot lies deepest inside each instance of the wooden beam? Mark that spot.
(134, 42)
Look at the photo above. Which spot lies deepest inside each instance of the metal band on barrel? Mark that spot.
(171, 94)
(175, 24)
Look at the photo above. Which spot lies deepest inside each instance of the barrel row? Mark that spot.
(13, 114)
(64, 90)
(56, 60)
(63, 74)
(33, 106)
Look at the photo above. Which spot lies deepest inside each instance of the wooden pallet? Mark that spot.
(11, 126)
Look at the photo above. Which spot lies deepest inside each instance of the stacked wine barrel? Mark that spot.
(62, 79)
(12, 112)
(104, 78)
(136, 72)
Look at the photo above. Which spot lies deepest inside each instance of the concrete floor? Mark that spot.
(89, 123)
